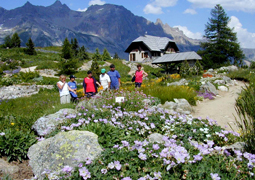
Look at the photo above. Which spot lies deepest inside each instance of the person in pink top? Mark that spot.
(139, 75)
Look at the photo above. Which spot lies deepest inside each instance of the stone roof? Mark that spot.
(174, 57)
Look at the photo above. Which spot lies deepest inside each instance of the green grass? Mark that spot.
(24, 111)
(168, 93)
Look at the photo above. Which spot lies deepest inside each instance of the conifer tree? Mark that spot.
(8, 42)
(97, 56)
(15, 40)
(95, 67)
(74, 46)
(30, 49)
(66, 50)
(106, 56)
(83, 54)
(116, 56)
(185, 69)
(221, 44)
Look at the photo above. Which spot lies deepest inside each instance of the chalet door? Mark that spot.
(133, 57)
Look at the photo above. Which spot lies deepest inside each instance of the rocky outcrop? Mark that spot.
(155, 138)
(45, 125)
(16, 91)
(209, 87)
(64, 149)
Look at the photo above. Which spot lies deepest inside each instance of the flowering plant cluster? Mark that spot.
(191, 148)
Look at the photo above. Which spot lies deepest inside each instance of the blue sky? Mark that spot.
(190, 16)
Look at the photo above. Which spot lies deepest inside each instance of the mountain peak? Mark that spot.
(28, 4)
(159, 22)
(57, 3)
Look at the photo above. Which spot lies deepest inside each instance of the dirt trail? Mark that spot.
(222, 108)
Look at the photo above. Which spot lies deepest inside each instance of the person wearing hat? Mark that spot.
(115, 77)
(73, 86)
(104, 79)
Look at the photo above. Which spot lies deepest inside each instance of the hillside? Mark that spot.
(107, 26)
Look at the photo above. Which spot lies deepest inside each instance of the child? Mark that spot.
(73, 86)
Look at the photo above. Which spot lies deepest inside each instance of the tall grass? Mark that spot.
(245, 108)
(169, 93)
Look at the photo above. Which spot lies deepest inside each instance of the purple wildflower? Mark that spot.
(155, 146)
(84, 172)
(104, 171)
(142, 156)
(215, 176)
(126, 178)
(67, 169)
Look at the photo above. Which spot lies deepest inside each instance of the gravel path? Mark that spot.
(222, 108)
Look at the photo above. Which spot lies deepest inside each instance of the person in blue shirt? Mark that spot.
(115, 77)
(72, 85)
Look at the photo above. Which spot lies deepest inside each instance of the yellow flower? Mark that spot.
(12, 124)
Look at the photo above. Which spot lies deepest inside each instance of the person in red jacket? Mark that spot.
(90, 85)
(139, 75)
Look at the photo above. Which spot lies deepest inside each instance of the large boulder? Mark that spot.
(46, 124)
(183, 106)
(219, 82)
(209, 87)
(64, 149)
(227, 80)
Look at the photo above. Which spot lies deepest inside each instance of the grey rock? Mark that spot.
(178, 83)
(183, 104)
(7, 168)
(210, 70)
(209, 87)
(227, 79)
(223, 88)
(169, 105)
(236, 146)
(155, 138)
(219, 82)
(45, 125)
(66, 148)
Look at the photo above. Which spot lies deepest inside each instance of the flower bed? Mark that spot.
(191, 148)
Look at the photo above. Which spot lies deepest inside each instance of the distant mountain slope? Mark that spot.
(107, 26)
(249, 53)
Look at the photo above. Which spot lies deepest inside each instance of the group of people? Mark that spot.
(109, 80)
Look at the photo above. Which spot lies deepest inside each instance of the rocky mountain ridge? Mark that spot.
(100, 26)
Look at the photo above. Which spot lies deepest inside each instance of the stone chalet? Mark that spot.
(158, 50)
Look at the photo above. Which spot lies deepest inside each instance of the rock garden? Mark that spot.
(151, 134)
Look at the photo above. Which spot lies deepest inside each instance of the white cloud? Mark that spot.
(98, 2)
(188, 33)
(190, 11)
(82, 10)
(238, 5)
(150, 9)
(155, 7)
(246, 39)
(164, 3)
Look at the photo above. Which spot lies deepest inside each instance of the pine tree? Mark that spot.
(106, 56)
(30, 49)
(221, 43)
(97, 56)
(198, 68)
(8, 42)
(68, 66)
(15, 40)
(83, 54)
(95, 67)
(116, 56)
(66, 50)
(74, 46)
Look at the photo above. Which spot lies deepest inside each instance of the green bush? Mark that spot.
(28, 76)
(15, 144)
(6, 81)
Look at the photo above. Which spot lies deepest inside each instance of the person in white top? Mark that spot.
(104, 79)
(64, 90)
